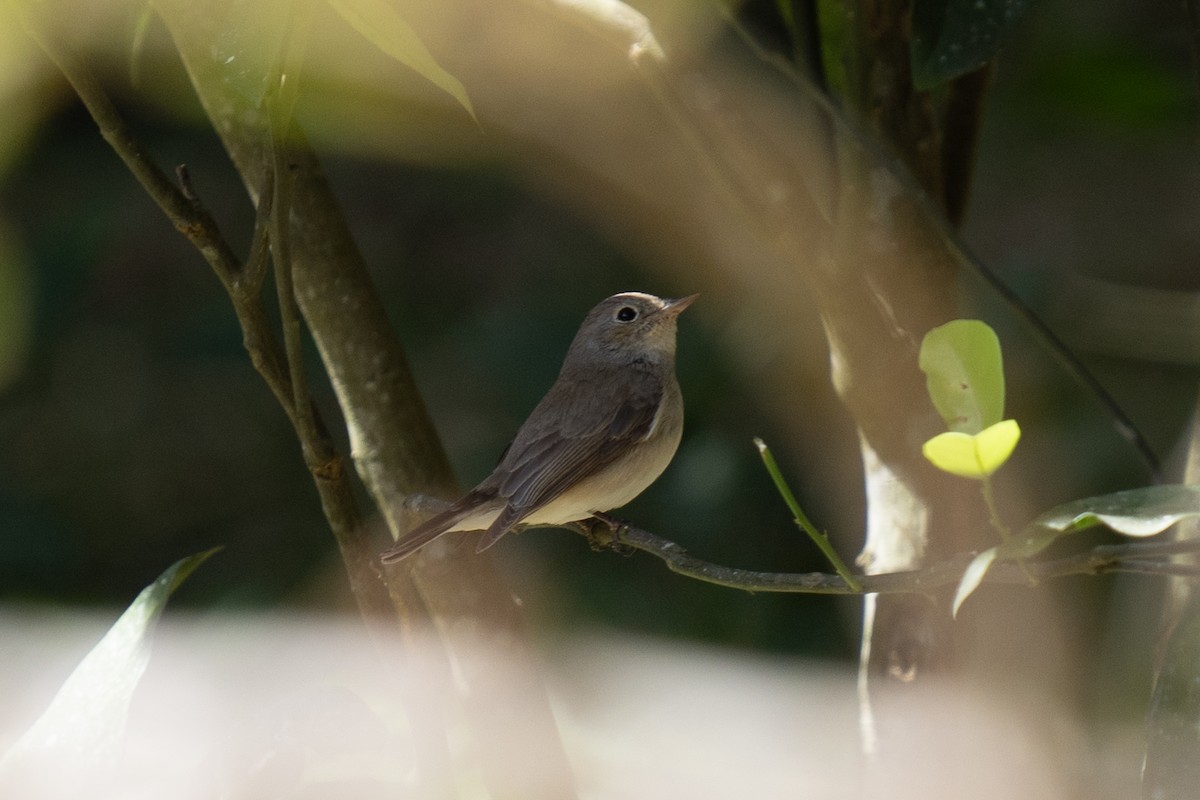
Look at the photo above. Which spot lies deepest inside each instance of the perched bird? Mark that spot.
(606, 429)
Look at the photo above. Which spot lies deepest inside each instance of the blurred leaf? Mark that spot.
(953, 37)
(964, 374)
(619, 20)
(1170, 770)
(137, 44)
(972, 577)
(973, 456)
(1134, 512)
(250, 44)
(383, 26)
(85, 723)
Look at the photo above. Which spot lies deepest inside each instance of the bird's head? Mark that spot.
(630, 326)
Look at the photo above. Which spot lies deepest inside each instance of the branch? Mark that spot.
(279, 368)
(188, 217)
(1137, 557)
(1146, 557)
(394, 448)
(323, 460)
(181, 206)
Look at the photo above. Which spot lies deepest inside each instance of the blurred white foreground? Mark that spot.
(303, 707)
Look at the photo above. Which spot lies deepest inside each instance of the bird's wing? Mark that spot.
(545, 461)
(552, 463)
(575, 432)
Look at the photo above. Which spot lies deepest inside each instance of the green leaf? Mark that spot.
(1134, 512)
(964, 374)
(973, 576)
(85, 722)
(383, 26)
(1141, 512)
(953, 37)
(973, 456)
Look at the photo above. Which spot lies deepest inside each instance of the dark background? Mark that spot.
(133, 430)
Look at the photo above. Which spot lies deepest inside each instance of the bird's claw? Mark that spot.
(604, 533)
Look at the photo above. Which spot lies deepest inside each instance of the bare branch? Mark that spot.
(1136, 557)
(1140, 557)
(281, 368)
(176, 201)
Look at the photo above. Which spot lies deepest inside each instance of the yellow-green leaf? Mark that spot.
(973, 456)
(964, 374)
(383, 26)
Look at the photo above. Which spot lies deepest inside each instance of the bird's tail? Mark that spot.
(504, 522)
(432, 528)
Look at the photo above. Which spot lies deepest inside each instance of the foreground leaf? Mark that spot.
(382, 25)
(85, 723)
(251, 38)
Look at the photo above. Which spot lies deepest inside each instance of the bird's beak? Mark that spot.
(675, 307)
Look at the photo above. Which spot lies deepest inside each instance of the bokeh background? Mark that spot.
(133, 430)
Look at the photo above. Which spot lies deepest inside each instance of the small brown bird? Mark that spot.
(607, 428)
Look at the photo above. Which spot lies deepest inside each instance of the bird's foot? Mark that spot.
(604, 533)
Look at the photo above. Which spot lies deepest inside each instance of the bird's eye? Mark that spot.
(627, 314)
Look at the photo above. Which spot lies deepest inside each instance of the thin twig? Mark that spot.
(254, 273)
(819, 538)
(1160, 568)
(279, 367)
(181, 205)
(258, 338)
(188, 217)
(281, 259)
(1148, 549)
(1100, 560)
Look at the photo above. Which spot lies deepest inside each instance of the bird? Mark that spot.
(606, 429)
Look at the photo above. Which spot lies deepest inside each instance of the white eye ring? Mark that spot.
(626, 314)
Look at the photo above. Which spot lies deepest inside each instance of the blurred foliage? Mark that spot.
(85, 722)
(137, 431)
